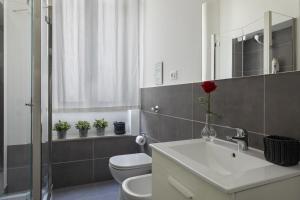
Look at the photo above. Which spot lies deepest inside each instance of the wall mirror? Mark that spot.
(243, 38)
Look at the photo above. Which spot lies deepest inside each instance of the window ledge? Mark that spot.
(89, 137)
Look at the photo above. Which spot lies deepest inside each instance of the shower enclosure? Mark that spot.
(24, 149)
(26, 81)
(16, 63)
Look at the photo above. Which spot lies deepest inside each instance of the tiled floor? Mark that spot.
(99, 191)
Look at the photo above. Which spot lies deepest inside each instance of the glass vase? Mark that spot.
(208, 132)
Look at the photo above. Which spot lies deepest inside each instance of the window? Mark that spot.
(95, 54)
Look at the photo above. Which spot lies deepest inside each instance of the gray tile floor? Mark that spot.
(98, 191)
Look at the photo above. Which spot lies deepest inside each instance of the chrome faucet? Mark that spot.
(241, 138)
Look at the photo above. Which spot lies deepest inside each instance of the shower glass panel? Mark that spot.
(16, 99)
(46, 108)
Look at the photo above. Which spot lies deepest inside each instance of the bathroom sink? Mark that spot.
(221, 164)
(219, 159)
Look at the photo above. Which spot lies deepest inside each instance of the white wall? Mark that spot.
(172, 34)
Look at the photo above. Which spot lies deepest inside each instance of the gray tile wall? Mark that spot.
(263, 105)
(84, 161)
(18, 168)
(75, 162)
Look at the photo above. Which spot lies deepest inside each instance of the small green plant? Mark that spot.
(83, 125)
(61, 126)
(100, 123)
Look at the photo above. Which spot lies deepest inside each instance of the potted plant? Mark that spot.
(100, 125)
(83, 127)
(61, 128)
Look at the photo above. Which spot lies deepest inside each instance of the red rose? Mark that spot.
(209, 86)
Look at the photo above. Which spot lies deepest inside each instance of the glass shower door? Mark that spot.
(16, 99)
(46, 98)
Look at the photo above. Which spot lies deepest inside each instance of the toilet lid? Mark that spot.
(131, 161)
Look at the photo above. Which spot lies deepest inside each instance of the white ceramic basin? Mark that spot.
(220, 163)
(218, 158)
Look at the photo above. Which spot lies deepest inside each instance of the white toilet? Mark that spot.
(130, 165)
(137, 188)
(133, 171)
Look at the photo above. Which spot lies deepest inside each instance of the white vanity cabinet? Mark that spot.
(172, 181)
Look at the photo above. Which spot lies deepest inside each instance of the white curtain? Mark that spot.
(95, 54)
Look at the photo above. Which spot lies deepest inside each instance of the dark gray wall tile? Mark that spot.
(18, 155)
(89, 156)
(283, 104)
(240, 102)
(261, 105)
(237, 58)
(173, 100)
(252, 72)
(172, 129)
(150, 124)
(147, 149)
(284, 35)
(72, 150)
(197, 128)
(148, 98)
(253, 60)
(108, 147)
(223, 132)
(101, 170)
(256, 141)
(45, 153)
(73, 173)
(198, 109)
(18, 179)
(284, 54)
